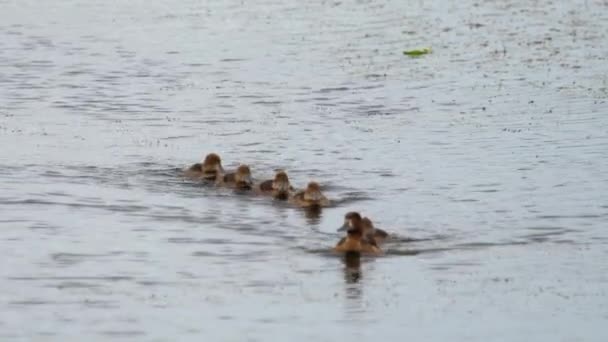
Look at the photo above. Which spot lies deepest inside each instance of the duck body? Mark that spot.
(370, 232)
(310, 197)
(353, 244)
(279, 187)
(209, 169)
(240, 179)
(355, 239)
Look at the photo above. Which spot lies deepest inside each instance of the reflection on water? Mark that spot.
(313, 215)
(352, 267)
(485, 160)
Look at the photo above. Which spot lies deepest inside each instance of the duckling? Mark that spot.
(209, 169)
(311, 197)
(240, 180)
(278, 187)
(354, 240)
(369, 231)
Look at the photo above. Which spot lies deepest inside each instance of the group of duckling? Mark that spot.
(361, 235)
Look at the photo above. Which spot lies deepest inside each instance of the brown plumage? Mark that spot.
(240, 179)
(311, 197)
(209, 169)
(370, 232)
(278, 187)
(354, 240)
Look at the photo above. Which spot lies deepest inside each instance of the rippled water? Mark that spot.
(487, 158)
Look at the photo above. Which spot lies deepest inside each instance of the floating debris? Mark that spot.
(417, 52)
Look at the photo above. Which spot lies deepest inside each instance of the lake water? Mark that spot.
(487, 158)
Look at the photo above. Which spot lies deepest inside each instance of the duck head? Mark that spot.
(367, 224)
(212, 166)
(313, 192)
(353, 225)
(242, 177)
(280, 185)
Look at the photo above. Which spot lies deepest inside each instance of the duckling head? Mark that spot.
(212, 166)
(280, 185)
(243, 177)
(313, 192)
(352, 223)
(367, 224)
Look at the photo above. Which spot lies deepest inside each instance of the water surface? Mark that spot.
(487, 158)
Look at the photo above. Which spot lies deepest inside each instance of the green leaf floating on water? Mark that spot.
(417, 52)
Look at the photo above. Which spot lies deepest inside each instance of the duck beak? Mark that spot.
(344, 227)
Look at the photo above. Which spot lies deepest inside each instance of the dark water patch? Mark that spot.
(483, 245)
(486, 190)
(566, 242)
(268, 103)
(182, 217)
(204, 254)
(331, 90)
(177, 137)
(116, 208)
(86, 303)
(74, 285)
(388, 252)
(155, 283)
(122, 333)
(411, 252)
(398, 239)
(546, 228)
(225, 256)
(327, 251)
(230, 60)
(348, 199)
(37, 302)
(580, 216)
(74, 278)
(213, 241)
(379, 172)
(13, 220)
(74, 258)
(546, 233)
(453, 265)
(463, 200)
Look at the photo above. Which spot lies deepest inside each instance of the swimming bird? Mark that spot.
(378, 234)
(240, 179)
(278, 187)
(209, 169)
(369, 231)
(311, 197)
(354, 240)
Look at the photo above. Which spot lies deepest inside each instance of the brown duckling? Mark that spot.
(311, 197)
(278, 187)
(369, 231)
(378, 234)
(354, 240)
(240, 179)
(210, 168)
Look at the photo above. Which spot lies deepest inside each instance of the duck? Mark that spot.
(311, 197)
(240, 179)
(278, 187)
(209, 169)
(369, 231)
(354, 241)
(379, 235)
